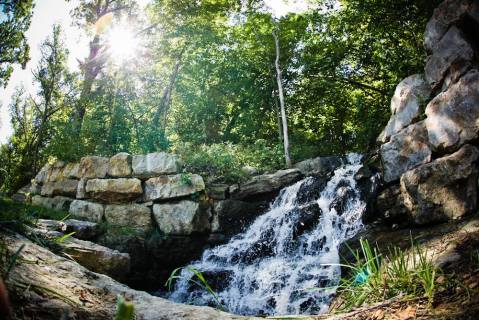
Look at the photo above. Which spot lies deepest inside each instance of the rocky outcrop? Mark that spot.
(155, 164)
(410, 95)
(58, 286)
(445, 189)
(182, 218)
(114, 190)
(266, 183)
(174, 186)
(452, 115)
(406, 150)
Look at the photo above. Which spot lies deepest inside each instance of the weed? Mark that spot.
(185, 179)
(200, 282)
(376, 278)
(124, 310)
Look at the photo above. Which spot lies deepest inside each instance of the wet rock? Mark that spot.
(114, 190)
(406, 104)
(339, 204)
(57, 203)
(311, 189)
(120, 165)
(155, 164)
(93, 167)
(85, 210)
(174, 186)
(452, 57)
(134, 216)
(182, 218)
(308, 218)
(390, 206)
(452, 115)
(267, 183)
(406, 150)
(67, 187)
(232, 216)
(320, 165)
(444, 189)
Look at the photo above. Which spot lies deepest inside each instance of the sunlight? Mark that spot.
(122, 43)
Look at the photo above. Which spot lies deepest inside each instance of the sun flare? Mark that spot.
(122, 43)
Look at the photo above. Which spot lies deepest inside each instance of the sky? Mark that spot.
(49, 12)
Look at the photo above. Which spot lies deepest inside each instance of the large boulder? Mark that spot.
(266, 184)
(135, 216)
(155, 164)
(182, 218)
(230, 216)
(93, 167)
(320, 165)
(452, 115)
(444, 189)
(174, 186)
(450, 12)
(406, 150)
(85, 210)
(114, 190)
(42, 175)
(451, 58)
(66, 187)
(83, 230)
(71, 171)
(120, 165)
(57, 203)
(406, 103)
(390, 206)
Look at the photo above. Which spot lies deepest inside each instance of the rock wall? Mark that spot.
(146, 206)
(429, 149)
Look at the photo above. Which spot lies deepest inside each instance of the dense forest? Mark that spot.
(201, 81)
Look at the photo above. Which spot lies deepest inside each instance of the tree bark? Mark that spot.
(281, 102)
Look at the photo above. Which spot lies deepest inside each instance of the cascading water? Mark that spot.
(286, 262)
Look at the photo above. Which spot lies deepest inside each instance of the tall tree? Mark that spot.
(15, 18)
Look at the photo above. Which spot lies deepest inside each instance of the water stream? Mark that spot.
(286, 262)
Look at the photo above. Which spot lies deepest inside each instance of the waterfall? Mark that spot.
(286, 262)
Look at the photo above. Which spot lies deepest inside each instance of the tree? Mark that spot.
(284, 123)
(15, 18)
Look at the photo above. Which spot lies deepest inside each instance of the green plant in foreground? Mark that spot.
(124, 310)
(200, 282)
(375, 277)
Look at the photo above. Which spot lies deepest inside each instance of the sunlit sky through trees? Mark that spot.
(122, 42)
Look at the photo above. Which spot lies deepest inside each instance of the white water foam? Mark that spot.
(286, 262)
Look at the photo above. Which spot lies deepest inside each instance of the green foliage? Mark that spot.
(197, 279)
(225, 161)
(15, 18)
(124, 310)
(374, 277)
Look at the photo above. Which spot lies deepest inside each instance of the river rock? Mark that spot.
(449, 12)
(57, 203)
(452, 57)
(86, 210)
(134, 216)
(320, 165)
(444, 189)
(120, 165)
(93, 167)
(406, 103)
(452, 115)
(114, 190)
(182, 218)
(267, 183)
(406, 150)
(67, 187)
(155, 164)
(174, 186)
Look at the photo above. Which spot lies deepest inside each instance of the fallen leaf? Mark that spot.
(406, 314)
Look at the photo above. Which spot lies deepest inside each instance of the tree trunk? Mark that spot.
(281, 102)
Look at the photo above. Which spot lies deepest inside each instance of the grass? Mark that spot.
(200, 282)
(124, 310)
(375, 278)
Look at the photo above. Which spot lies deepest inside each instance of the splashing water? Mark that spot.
(286, 262)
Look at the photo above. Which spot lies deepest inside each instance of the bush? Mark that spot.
(224, 162)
